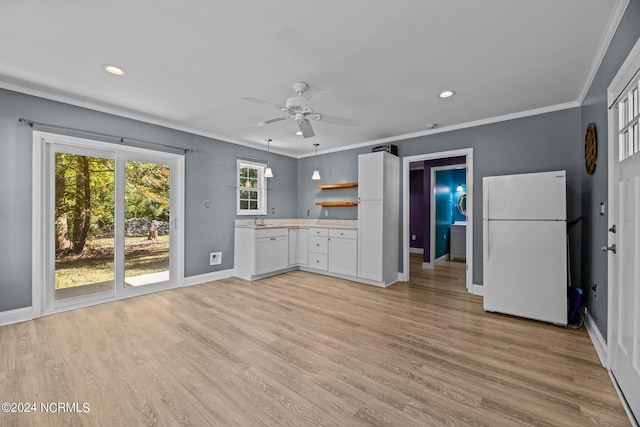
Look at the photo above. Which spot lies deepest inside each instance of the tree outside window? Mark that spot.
(252, 188)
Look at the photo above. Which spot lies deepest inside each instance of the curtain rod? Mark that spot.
(32, 124)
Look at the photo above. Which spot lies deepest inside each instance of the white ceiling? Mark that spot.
(189, 63)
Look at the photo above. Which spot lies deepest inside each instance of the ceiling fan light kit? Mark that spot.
(301, 110)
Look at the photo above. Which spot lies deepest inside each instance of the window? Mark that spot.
(629, 121)
(252, 188)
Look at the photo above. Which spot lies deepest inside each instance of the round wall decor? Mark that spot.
(591, 149)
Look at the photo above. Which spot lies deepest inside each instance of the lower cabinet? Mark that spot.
(318, 247)
(343, 252)
(334, 250)
(272, 254)
(258, 252)
(298, 246)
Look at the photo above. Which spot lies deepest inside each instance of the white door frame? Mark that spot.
(432, 215)
(618, 85)
(40, 251)
(468, 153)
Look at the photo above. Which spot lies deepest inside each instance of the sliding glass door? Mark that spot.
(147, 227)
(111, 223)
(82, 216)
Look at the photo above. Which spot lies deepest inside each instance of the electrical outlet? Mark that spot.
(308, 212)
(413, 237)
(326, 212)
(207, 204)
(215, 258)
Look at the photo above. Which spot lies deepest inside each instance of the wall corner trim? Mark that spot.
(597, 339)
(16, 316)
(209, 277)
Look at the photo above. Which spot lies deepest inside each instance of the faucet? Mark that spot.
(259, 220)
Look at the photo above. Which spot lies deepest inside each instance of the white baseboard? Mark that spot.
(597, 339)
(208, 277)
(477, 289)
(16, 316)
(402, 277)
(416, 250)
(443, 258)
(427, 266)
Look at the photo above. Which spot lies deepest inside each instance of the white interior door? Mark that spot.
(624, 245)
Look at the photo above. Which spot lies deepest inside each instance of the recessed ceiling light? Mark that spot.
(112, 69)
(299, 133)
(446, 94)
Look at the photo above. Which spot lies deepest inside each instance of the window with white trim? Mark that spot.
(628, 121)
(252, 188)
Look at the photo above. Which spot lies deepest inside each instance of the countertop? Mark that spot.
(282, 223)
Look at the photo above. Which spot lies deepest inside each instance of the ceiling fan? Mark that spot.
(302, 109)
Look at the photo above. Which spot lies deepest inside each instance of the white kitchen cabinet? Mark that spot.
(262, 260)
(280, 253)
(378, 217)
(298, 246)
(293, 246)
(342, 252)
(318, 248)
(259, 252)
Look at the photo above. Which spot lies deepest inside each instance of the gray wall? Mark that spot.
(594, 187)
(539, 143)
(209, 169)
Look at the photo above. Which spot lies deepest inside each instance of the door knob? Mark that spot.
(611, 248)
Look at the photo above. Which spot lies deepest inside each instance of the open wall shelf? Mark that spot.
(337, 203)
(337, 186)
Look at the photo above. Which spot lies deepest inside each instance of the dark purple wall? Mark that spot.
(417, 218)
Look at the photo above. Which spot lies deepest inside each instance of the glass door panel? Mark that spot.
(83, 219)
(147, 197)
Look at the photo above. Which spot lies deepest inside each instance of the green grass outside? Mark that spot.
(95, 264)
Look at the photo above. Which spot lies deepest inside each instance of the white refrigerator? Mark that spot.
(525, 245)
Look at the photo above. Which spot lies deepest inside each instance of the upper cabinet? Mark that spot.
(371, 176)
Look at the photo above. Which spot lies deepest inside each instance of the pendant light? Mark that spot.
(316, 172)
(268, 173)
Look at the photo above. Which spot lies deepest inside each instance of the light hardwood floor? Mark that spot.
(301, 349)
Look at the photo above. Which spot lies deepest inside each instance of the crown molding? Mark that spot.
(614, 22)
(490, 120)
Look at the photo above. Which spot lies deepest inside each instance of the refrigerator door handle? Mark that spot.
(486, 198)
(485, 239)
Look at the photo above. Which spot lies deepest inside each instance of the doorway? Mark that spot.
(467, 155)
(107, 221)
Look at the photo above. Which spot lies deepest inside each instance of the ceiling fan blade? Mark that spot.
(319, 99)
(305, 128)
(264, 102)
(266, 122)
(336, 120)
